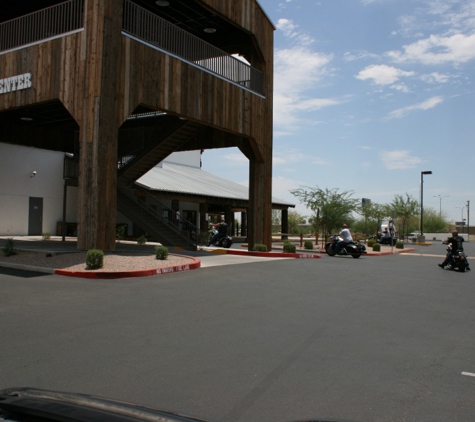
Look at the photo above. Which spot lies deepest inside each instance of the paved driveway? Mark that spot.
(372, 339)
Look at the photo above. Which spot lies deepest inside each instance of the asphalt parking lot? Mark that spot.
(384, 338)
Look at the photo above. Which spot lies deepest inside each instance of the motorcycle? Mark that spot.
(354, 249)
(223, 241)
(459, 260)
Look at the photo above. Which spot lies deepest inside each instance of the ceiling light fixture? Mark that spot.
(210, 30)
(26, 119)
(162, 3)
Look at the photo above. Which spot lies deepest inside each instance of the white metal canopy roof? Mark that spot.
(190, 180)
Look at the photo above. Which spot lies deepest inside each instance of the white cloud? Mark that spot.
(236, 159)
(425, 105)
(399, 160)
(282, 186)
(296, 72)
(293, 32)
(436, 78)
(435, 50)
(361, 55)
(382, 74)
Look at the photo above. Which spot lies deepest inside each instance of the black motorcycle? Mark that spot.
(223, 241)
(459, 260)
(354, 249)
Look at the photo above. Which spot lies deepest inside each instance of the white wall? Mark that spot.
(187, 158)
(16, 187)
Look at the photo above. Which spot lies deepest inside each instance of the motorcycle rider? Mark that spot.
(346, 238)
(222, 228)
(456, 243)
(385, 238)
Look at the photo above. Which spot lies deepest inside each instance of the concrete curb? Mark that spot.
(385, 253)
(135, 273)
(194, 264)
(27, 267)
(271, 254)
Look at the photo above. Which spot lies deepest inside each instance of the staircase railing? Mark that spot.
(52, 22)
(148, 214)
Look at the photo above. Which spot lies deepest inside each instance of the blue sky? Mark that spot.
(367, 94)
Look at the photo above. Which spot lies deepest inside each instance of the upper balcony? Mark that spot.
(186, 31)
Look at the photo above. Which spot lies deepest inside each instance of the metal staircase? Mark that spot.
(150, 157)
(147, 213)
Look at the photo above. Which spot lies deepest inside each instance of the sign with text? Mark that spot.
(15, 83)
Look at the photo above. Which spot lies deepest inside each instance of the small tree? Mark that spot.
(434, 222)
(374, 214)
(405, 209)
(331, 208)
(294, 220)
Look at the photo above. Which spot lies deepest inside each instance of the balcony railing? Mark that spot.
(52, 22)
(68, 17)
(143, 25)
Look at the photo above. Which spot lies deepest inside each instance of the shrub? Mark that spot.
(161, 252)
(308, 244)
(376, 247)
(94, 259)
(46, 236)
(400, 245)
(9, 248)
(142, 240)
(371, 242)
(259, 247)
(289, 247)
(120, 232)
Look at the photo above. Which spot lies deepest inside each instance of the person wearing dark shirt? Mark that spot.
(222, 228)
(456, 244)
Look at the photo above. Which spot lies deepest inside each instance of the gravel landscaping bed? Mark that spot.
(112, 262)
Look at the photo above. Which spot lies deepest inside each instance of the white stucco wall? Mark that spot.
(17, 185)
(187, 158)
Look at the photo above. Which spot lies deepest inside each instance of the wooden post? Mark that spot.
(260, 205)
(99, 125)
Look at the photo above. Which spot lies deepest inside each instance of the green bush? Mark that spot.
(161, 252)
(120, 232)
(400, 245)
(142, 240)
(376, 247)
(259, 247)
(9, 248)
(46, 236)
(371, 242)
(289, 247)
(308, 244)
(94, 259)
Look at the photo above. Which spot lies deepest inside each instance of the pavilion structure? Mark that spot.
(121, 84)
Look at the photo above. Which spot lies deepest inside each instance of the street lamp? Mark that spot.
(462, 220)
(440, 207)
(422, 202)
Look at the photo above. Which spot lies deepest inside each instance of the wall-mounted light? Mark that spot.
(162, 3)
(33, 173)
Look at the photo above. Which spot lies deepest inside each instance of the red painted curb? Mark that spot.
(272, 254)
(372, 253)
(196, 263)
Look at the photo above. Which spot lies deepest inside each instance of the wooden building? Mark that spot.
(79, 76)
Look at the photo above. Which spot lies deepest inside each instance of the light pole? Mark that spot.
(440, 207)
(422, 239)
(461, 221)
